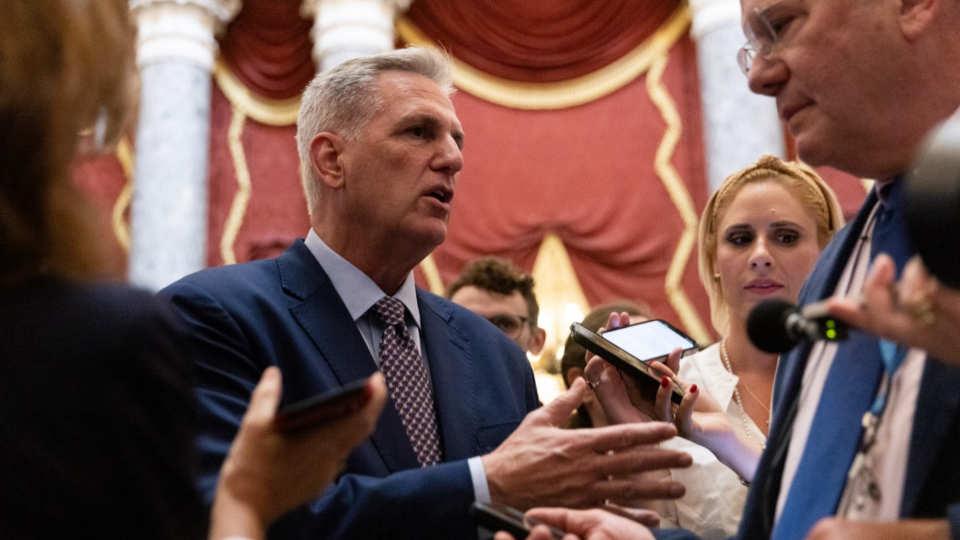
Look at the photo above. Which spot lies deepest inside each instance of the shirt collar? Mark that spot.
(358, 292)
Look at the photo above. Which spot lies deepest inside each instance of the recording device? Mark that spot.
(500, 517)
(776, 326)
(323, 408)
(932, 202)
(631, 348)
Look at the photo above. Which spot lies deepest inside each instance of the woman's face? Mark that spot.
(766, 247)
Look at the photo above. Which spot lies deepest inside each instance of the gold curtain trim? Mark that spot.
(121, 228)
(680, 197)
(561, 94)
(273, 112)
(432, 273)
(238, 209)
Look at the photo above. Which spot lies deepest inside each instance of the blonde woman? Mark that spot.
(759, 237)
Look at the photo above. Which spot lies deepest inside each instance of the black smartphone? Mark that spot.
(323, 407)
(631, 348)
(500, 517)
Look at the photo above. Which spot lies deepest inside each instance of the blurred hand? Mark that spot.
(541, 464)
(842, 529)
(917, 312)
(267, 474)
(589, 524)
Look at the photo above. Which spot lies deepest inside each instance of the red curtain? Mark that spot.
(536, 41)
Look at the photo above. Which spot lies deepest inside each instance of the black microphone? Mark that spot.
(776, 326)
(933, 202)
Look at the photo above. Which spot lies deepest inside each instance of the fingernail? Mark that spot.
(665, 382)
(693, 389)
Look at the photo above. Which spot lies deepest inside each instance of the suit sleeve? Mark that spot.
(419, 503)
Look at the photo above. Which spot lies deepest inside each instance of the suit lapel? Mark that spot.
(452, 374)
(937, 403)
(821, 284)
(323, 316)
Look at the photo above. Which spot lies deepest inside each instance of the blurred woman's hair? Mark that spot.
(801, 180)
(64, 64)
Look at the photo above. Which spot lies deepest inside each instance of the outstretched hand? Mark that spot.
(586, 524)
(918, 312)
(541, 464)
(267, 473)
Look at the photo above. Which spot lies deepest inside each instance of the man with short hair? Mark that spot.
(865, 433)
(501, 293)
(380, 145)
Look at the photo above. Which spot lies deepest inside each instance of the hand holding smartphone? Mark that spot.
(500, 517)
(323, 408)
(631, 349)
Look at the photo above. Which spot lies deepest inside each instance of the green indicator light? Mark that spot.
(831, 334)
(831, 323)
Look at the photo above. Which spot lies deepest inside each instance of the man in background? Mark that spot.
(501, 293)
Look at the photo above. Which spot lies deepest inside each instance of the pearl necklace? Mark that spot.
(736, 395)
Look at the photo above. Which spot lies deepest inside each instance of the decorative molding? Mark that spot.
(680, 197)
(238, 209)
(127, 157)
(562, 94)
(272, 112)
(560, 296)
(432, 273)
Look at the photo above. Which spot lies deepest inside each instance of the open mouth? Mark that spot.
(441, 194)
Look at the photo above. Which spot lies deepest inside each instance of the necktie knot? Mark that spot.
(389, 310)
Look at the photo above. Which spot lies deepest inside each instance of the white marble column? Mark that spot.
(739, 126)
(175, 53)
(345, 29)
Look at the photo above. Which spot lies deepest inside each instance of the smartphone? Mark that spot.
(500, 517)
(323, 407)
(630, 348)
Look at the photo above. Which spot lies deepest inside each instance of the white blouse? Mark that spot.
(713, 504)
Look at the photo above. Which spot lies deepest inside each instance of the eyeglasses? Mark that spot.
(763, 35)
(510, 324)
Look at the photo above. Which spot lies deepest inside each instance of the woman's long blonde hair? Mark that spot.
(63, 64)
(815, 195)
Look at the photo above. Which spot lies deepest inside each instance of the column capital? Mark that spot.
(310, 8)
(180, 30)
(708, 15)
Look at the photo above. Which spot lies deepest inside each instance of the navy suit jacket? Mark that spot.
(286, 312)
(932, 483)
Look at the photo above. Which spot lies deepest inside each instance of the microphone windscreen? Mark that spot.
(933, 203)
(767, 326)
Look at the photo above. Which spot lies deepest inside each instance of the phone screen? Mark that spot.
(649, 340)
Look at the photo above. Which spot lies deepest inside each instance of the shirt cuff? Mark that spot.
(481, 490)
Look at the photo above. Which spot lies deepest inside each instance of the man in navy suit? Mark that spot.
(380, 147)
(865, 434)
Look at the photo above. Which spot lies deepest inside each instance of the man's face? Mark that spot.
(401, 171)
(507, 311)
(833, 69)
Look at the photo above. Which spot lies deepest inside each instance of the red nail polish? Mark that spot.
(665, 382)
(693, 389)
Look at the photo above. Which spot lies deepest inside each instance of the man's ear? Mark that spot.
(539, 338)
(916, 16)
(326, 151)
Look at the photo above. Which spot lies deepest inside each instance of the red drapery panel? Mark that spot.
(268, 47)
(536, 41)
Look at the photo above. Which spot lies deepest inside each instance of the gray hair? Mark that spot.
(343, 100)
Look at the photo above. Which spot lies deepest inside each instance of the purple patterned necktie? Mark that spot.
(407, 381)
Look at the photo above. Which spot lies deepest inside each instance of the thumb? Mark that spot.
(266, 396)
(559, 410)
